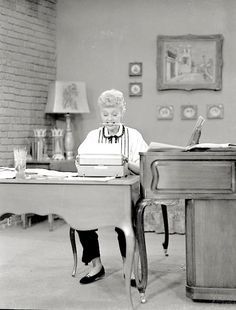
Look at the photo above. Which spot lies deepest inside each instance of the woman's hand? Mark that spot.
(134, 168)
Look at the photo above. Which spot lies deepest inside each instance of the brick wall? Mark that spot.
(27, 65)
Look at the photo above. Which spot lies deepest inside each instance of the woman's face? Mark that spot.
(111, 118)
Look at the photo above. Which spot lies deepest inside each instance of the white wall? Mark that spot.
(97, 39)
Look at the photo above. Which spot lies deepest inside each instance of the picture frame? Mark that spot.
(215, 111)
(135, 89)
(189, 62)
(165, 112)
(189, 111)
(135, 69)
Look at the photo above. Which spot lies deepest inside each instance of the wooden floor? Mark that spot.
(36, 265)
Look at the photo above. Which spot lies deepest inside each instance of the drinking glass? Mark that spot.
(20, 155)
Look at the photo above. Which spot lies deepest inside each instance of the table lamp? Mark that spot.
(65, 97)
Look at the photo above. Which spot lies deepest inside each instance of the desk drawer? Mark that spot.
(189, 177)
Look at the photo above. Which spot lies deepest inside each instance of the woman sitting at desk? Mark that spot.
(112, 107)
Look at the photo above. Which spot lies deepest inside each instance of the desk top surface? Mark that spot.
(129, 180)
(208, 155)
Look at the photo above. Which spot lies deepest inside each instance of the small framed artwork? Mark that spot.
(135, 89)
(189, 111)
(135, 69)
(165, 112)
(215, 111)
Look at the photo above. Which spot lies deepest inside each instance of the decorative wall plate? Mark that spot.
(135, 89)
(135, 68)
(165, 112)
(215, 111)
(189, 111)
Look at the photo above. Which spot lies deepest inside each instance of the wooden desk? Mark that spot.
(58, 165)
(206, 180)
(83, 205)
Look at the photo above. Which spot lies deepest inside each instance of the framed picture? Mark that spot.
(189, 111)
(135, 69)
(189, 62)
(165, 112)
(135, 89)
(215, 111)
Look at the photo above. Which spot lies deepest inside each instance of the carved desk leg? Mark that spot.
(140, 250)
(73, 245)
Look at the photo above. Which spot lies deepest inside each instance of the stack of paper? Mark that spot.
(212, 147)
(7, 173)
(161, 147)
(49, 173)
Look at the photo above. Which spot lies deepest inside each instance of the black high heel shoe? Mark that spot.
(90, 279)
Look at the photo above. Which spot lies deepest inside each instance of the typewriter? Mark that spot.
(102, 161)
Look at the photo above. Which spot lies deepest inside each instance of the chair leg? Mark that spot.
(166, 228)
(73, 245)
(24, 220)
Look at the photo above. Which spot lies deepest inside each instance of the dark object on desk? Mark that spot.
(42, 164)
(58, 165)
(63, 165)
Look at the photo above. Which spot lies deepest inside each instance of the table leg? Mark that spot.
(130, 246)
(140, 251)
(23, 218)
(74, 250)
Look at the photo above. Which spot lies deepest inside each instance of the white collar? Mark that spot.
(119, 132)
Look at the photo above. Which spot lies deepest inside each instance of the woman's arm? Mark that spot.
(134, 167)
(137, 145)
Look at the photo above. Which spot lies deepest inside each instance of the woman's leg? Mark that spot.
(90, 245)
(121, 241)
(91, 253)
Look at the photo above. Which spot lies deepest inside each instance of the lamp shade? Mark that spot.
(67, 97)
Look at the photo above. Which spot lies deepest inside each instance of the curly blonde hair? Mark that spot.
(112, 98)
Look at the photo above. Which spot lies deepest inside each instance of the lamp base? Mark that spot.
(69, 155)
(69, 139)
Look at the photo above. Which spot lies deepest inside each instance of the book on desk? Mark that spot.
(193, 143)
(216, 147)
